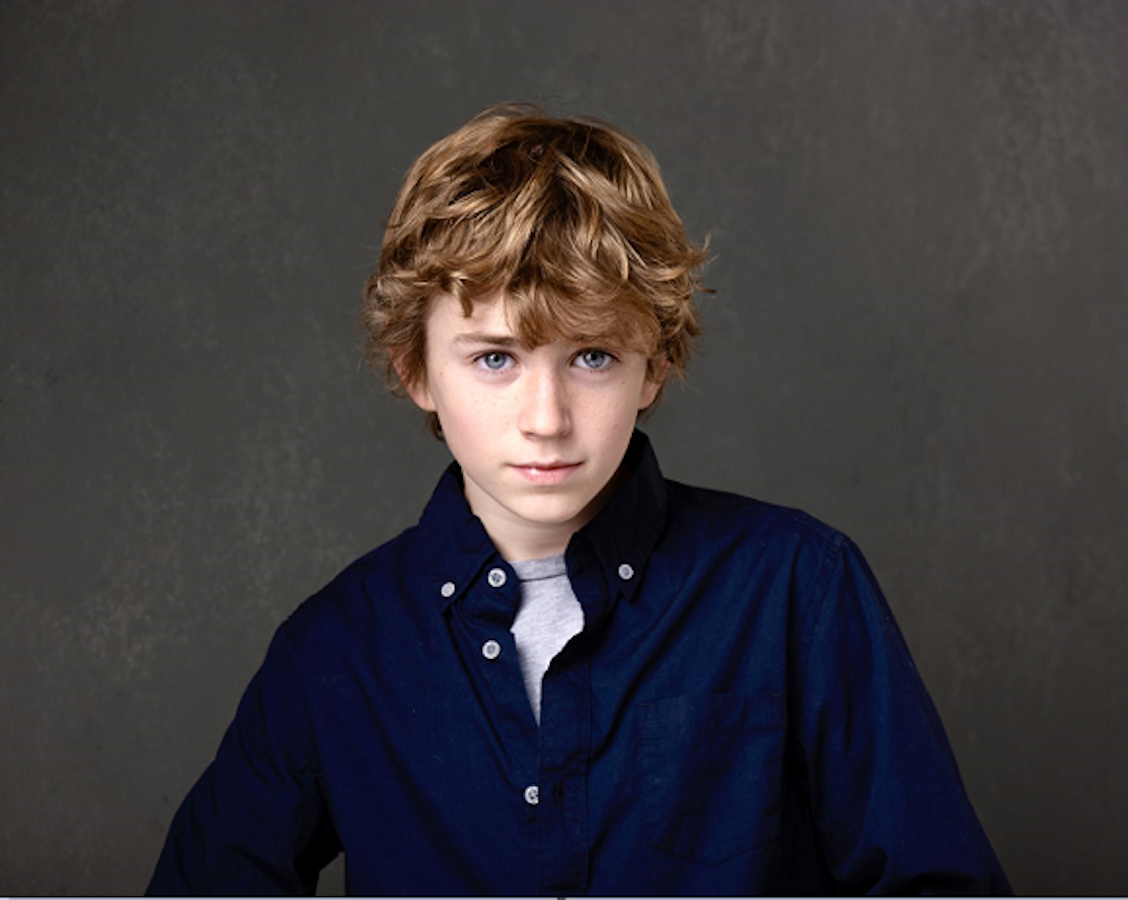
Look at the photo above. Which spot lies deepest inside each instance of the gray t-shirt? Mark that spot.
(549, 617)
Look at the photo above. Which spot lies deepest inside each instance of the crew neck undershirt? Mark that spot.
(549, 616)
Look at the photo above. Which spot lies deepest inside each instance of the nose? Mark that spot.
(545, 411)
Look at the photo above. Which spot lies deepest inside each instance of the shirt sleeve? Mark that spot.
(886, 796)
(255, 823)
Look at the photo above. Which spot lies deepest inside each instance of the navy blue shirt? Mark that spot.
(739, 715)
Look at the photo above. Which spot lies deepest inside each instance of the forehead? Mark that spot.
(447, 312)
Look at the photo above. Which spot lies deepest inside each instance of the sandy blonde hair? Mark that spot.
(567, 219)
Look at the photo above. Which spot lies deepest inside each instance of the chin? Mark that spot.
(554, 515)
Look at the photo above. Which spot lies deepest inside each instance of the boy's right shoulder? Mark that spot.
(362, 592)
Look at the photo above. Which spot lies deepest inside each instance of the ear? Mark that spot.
(415, 388)
(651, 387)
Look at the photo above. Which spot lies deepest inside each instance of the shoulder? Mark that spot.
(718, 515)
(350, 604)
(783, 552)
(783, 559)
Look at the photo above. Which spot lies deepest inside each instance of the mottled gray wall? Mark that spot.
(918, 212)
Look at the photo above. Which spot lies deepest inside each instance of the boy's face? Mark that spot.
(540, 433)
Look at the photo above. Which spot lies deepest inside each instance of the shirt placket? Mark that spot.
(487, 613)
(565, 737)
(565, 747)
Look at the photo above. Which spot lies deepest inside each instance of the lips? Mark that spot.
(546, 472)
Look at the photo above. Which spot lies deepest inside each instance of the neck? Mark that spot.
(520, 544)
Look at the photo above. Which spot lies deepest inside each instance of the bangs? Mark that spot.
(574, 250)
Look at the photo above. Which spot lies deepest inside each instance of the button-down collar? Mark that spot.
(626, 531)
(459, 547)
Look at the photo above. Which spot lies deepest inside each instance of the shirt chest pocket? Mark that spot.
(712, 767)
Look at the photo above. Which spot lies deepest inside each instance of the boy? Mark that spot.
(574, 677)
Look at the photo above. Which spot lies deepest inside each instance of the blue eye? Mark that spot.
(495, 360)
(595, 359)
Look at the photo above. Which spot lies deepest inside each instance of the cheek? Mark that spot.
(616, 415)
(473, 417)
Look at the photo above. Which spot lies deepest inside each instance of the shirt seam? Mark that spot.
(831, 561)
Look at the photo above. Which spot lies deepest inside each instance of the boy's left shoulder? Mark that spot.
(723, 515)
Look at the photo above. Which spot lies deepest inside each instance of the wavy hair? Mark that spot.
(566, 219)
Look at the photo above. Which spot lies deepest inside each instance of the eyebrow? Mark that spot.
(480, 337)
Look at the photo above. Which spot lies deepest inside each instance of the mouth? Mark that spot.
(546, 472)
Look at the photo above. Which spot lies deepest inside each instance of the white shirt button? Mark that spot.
(532, 795)
(496, 577)
(491, 649)
(447, 590)
(626, 572)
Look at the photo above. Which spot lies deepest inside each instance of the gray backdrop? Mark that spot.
(918, 215)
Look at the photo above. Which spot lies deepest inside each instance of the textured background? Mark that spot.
(918, 213)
